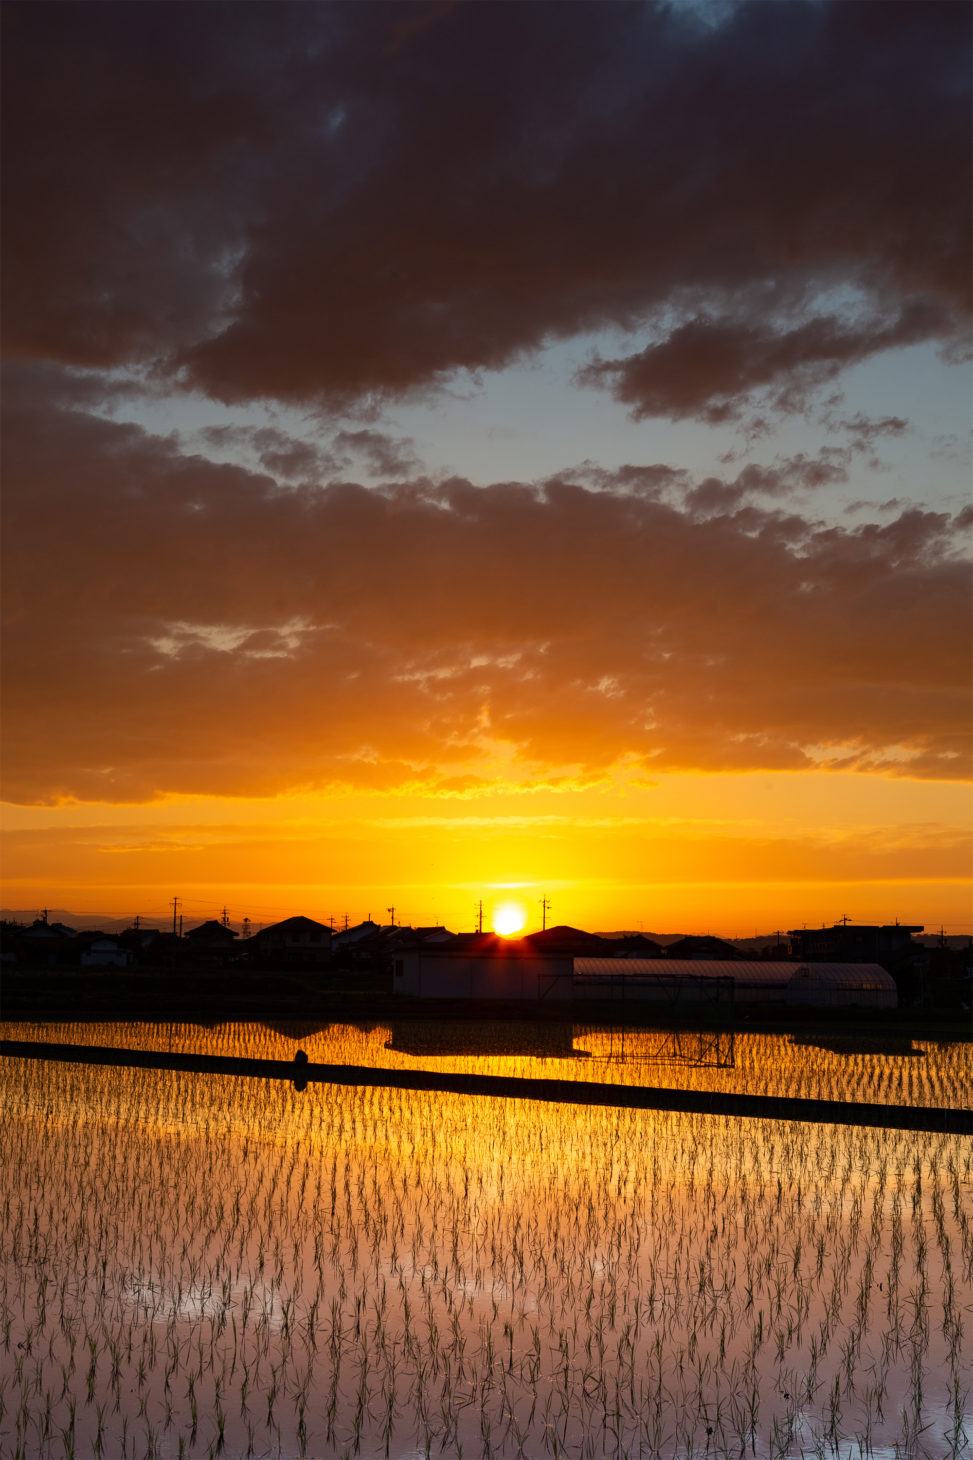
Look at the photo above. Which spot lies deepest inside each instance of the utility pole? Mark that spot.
(175, 905)
(345, 929)
(225, 919)
(545, 904)
(479, 923)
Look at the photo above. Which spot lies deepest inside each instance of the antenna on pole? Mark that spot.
(391, 913)
(545, 904)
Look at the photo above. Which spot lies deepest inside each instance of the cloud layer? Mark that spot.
(178, 625)
(340, 203)
(333, 206)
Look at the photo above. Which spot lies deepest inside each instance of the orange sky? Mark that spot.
(557, 475)
(731, 853)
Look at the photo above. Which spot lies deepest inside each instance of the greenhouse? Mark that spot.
(752, 981)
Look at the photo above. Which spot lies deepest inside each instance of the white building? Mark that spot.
(481, 966)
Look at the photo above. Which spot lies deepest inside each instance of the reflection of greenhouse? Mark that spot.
(693, 1048)
(600, 1044)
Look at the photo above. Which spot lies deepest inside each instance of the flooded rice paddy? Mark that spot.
(206, 1265)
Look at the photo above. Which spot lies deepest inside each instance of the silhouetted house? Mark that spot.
(42, 944)
(295, 940)
(633, 945)
(889, 944)
(349, 937)
(481, 966)
(436, 933)
(702, 947)
(211, 942)
(105, 953)
(571, 942)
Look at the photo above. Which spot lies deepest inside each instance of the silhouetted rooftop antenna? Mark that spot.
(391, 913)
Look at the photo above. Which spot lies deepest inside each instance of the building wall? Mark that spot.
(459, 976)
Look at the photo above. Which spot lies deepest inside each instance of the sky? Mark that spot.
(459, 452)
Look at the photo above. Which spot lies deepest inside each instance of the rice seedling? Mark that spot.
(208, 1265)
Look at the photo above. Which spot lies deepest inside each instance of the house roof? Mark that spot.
(745, 973)
(565, 939)
(211, 929)
(297, 924)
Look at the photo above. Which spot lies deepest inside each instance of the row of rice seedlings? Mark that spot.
(202, 1265)
(936, 1074)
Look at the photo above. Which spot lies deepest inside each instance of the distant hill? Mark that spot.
(83, 921)
(746, 945)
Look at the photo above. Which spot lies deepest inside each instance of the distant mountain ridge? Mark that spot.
(85, 922)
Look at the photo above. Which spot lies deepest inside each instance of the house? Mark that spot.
(211, 942)
(348, 937)
(295, 940)
(562, 939)
(889, 944)
(105, 953)
(632, 945)
(211, 934)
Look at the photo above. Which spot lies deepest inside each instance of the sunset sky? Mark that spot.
(460, 451)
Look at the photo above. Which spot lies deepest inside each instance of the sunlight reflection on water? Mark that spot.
(390, 1272)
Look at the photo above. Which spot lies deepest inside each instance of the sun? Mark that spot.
(508, 918)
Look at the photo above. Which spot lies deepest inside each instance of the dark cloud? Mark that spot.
(384, 455)
(716, 368)
(343, 202)
(178, 625)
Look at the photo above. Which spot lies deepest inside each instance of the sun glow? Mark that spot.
(509, 918)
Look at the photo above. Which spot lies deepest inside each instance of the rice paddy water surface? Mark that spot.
(205, 1265)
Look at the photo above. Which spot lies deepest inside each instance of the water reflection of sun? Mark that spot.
(509, 918)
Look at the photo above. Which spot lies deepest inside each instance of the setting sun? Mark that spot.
(509, 918)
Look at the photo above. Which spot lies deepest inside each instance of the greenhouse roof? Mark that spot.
(745, 973)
